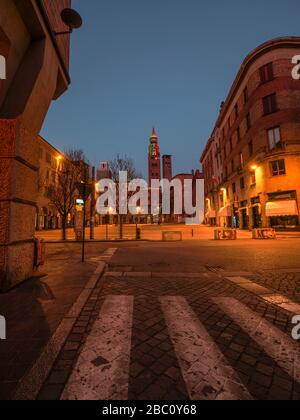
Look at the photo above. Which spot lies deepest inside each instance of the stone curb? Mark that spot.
(31, 383)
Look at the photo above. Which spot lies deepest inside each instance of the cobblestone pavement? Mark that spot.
(211, 333)
(35, 309)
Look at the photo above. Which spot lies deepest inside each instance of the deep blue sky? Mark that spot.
(168, 63)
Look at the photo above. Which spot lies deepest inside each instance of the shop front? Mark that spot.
(244, 215)
(255, 213)
(225, 217)
(283, 214)
(211, 217)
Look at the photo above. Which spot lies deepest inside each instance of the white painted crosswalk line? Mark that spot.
(108, 254)
(279, 346)
(206, 373)
(266, 294)
(102, 370)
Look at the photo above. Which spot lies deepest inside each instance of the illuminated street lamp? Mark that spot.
(59, 159)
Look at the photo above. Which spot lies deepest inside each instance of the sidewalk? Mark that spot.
(149, 233)
(35, 309)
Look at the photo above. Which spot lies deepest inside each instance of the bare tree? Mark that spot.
(125, 164)
(63, 193)
(122, 164)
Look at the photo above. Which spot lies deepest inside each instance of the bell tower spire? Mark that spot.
(154, 164)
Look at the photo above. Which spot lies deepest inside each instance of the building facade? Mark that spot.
(37, 73)
(192, 177)
(167, 167)
(47, 216)
(251, 162)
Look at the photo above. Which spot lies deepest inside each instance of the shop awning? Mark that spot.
(282, 208)
(225, 212)
(211, 214)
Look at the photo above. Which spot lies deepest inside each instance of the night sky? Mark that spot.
(167, 63)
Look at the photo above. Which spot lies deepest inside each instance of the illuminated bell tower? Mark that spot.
(154, 164)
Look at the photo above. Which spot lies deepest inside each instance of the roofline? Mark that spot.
(49, 144)
(280, 42)
(207, 146)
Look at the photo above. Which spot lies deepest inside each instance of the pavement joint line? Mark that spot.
(268, 295)
(31, 383)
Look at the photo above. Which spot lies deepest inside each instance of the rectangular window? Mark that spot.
(266, 73)
(48, 158)
(242, 183)
(253, 178)
(270, 104)
(274, 137)
(278, 167)
(233, 188)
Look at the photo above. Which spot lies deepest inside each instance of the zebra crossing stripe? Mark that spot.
(102, 369)
(267, 294)
(108, 254)
(206, 373)
(279, 346)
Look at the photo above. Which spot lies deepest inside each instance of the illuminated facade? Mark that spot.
(47, 216)
(252, 160)
(37, 72)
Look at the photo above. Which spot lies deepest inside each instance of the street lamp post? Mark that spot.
(92, 207)
(138, 212)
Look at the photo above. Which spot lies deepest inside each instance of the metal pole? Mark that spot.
(92, 209)
(84, 214)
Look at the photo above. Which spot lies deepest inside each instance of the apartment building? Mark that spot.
(251, 163)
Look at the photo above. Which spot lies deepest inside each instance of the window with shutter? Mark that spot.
(266, 73)
(270, 104)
